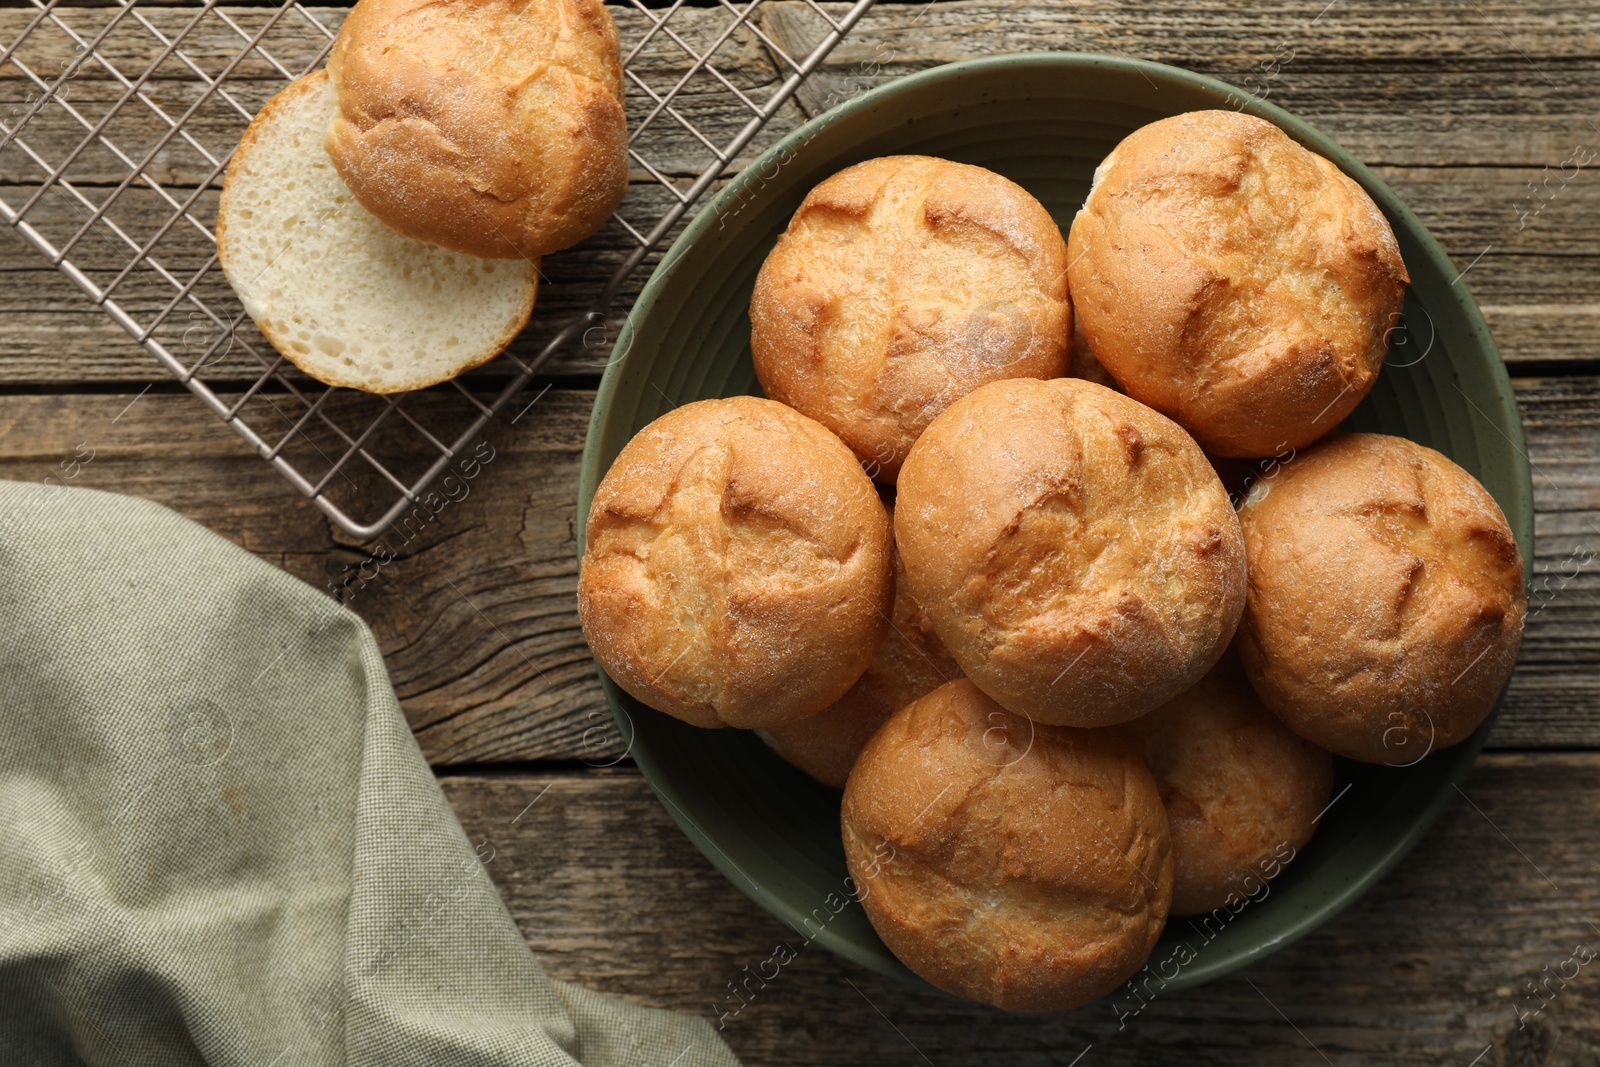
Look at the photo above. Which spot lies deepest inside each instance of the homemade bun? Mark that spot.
(737, 565)
(492, 127)
(1240, 789)
(902, 284)
(342, 296)
(1386, 598)
(1235, 281)
(1074, 549)
(911, 662)
(1022, 865)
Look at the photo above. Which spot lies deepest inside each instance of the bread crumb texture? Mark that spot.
(1074, 549)
(1010, 862)
(1386, 598)
(737, 566)
(1235, 281)
(900, 285)
(346, 299)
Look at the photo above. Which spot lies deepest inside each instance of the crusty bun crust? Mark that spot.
(911, 662)
(491, 127)
(1074, 549)
(1022, 865)
(1386, 598)
(1235, 281)
(737, 565)
(902, 284)
(1240, 789)
(342, 296)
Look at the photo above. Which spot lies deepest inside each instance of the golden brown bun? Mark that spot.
(902, 284)
(1074, 549)
(1386, 598)
(491, 127)
(1022, 865)
(737, 565)
(1241, 790)
(1235, 281)
(911, 662)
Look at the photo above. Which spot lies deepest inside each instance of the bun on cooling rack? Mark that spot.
(1235, 281)
(737, 565)
(1074, 549)
(911, 662)
(342, 296)
(1240, 789)
(900, 285)
(491, 127)
(1017, 864)
(1386, 598)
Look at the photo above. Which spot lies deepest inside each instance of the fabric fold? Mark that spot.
(223, 845)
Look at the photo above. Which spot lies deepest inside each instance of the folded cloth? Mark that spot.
(222, 845)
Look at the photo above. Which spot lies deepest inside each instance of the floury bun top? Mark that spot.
(1235, 281)
(901, 285)
(491, 127)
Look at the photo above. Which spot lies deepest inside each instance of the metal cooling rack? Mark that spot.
(117, 123)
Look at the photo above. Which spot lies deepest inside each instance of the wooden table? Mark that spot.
(1473, 112)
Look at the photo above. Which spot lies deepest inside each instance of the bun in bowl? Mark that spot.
(911, 662)
(900, 285)
(1013, 863)
(1075, 550)
(1235, 281)
(1242, 791)
(1386, 598)
(736, 568)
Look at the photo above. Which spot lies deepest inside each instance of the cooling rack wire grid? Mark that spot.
(116, 125)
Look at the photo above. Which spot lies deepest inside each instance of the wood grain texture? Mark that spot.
(1428, 968)
(1541, 306)
(52, 334)
(1536, 285)
(1430, 83)
(1397, 86)
(55, 336)
(476, 614)
(212, 44)
(1468, 110)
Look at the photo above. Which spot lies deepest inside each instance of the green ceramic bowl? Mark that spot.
(1043, 120)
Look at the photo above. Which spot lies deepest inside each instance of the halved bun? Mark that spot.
(492, 127)
(342, 296)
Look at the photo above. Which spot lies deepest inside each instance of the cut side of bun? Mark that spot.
(346, 299)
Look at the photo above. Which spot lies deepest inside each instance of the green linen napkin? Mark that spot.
(221, 843)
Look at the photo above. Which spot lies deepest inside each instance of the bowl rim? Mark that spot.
(1519, 513)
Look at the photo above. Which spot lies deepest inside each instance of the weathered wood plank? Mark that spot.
(174, 86)
(1431, 83)
(1430, 967)
(1536, 282)
(41, 340)
(476, 613)
(1458, 106)
(50, 333)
